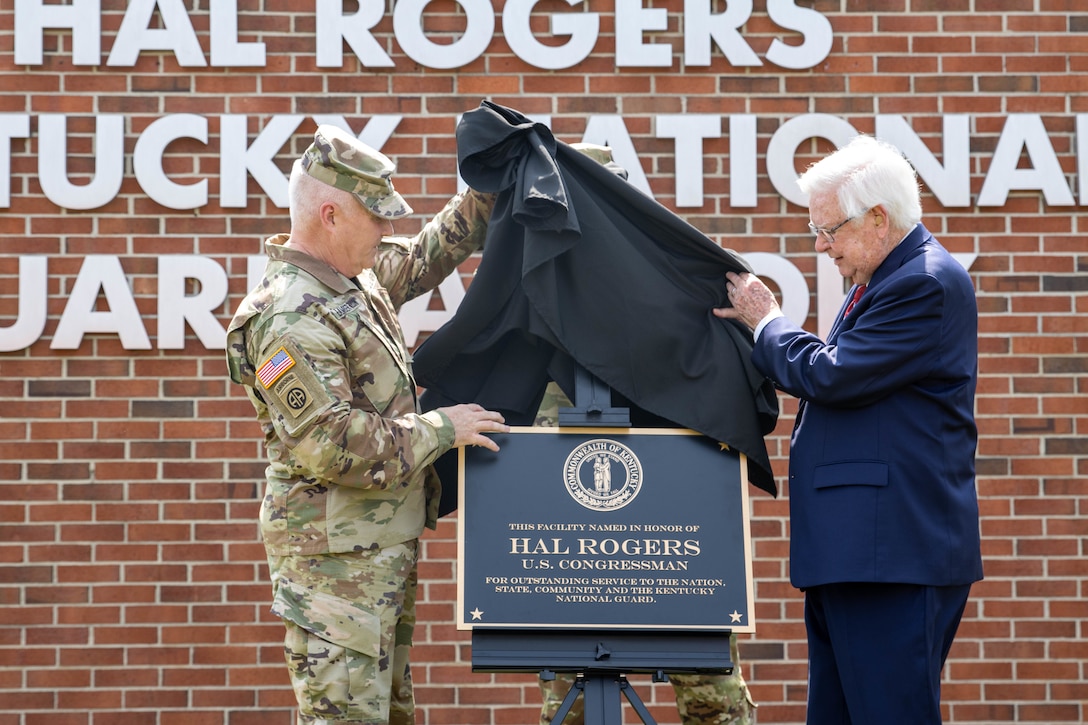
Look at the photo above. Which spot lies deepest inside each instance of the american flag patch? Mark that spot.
(274, 367)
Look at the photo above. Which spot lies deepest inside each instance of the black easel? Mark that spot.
(593, 404)
(601, 659)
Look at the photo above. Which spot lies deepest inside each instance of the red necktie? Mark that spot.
(854, 300)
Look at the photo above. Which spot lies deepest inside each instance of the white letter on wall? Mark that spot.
(30, 323)
(176, 308)
(147, 161)
(408, 27)
(700, 27)
(688, 131)
(781, 167)
(82, 16)
(109, 158)
(226, 50)
(611, 131)
(237, 156)
(742, 160)
(632, 20)
(813, 26)
(1024, 131)
(581, 27)
(176, 35)
(12, 125)
(1082, 157)
(255, 266)
(830, 293)
(951, 183)
(101, 272)
(333, 27)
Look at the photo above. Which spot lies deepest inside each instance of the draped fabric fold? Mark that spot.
(582, 269)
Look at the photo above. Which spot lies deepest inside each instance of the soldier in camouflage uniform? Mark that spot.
(350, 484)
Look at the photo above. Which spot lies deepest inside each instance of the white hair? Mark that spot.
(306, 195)
(865, 173)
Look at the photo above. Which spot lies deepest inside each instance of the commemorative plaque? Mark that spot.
(604, 528)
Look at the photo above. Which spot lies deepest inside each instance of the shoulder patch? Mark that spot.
(297, 395)
(274, 367)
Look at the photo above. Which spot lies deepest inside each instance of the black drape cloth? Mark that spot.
(582, 269)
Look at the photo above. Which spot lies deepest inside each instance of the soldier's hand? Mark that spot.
(471, 421)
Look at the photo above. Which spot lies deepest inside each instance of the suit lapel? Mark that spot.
(841, 316)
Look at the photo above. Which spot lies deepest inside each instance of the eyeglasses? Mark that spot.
(829, 232)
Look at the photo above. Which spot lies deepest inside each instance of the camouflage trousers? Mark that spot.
(701, 699)
(349, 620)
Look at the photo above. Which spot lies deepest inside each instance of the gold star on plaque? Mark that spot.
(735, 616)
(723, 446)
(477, 614)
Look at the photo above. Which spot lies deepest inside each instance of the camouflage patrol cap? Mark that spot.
(602, 155)
(339, 159)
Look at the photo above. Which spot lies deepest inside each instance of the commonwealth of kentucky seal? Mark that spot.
(602, 475)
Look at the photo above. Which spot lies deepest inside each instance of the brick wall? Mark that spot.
(132, 581)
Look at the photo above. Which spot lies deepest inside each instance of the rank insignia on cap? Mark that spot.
(275, 367)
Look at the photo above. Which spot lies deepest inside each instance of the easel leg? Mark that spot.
(603, 704)
(636, 702)
(568, 701)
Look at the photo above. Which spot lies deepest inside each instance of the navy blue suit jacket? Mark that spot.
(882, 478)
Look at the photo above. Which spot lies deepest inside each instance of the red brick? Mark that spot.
(159, 469)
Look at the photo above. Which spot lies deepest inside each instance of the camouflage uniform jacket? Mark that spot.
(323, 360)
